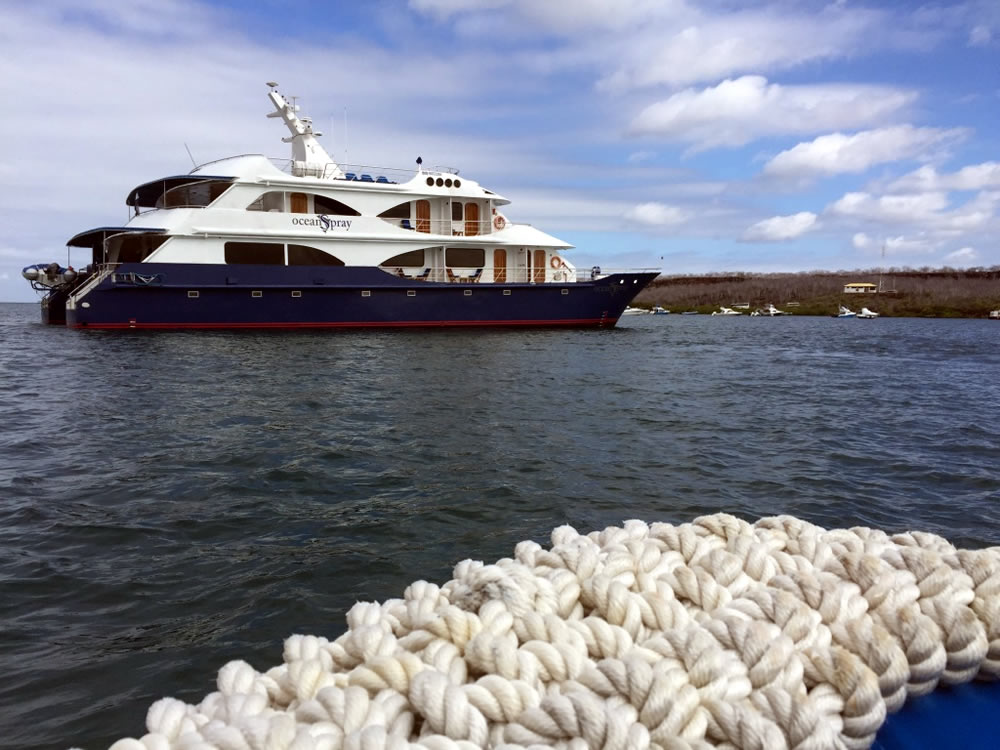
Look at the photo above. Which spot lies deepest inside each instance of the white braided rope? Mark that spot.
(716, 633)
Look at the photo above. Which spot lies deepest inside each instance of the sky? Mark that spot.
(692, 137)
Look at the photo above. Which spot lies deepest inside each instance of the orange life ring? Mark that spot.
(556, 262)
(499, 222)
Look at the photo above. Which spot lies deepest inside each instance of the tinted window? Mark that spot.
(402, 211)
(303, 255)
(466, 256)
(456, 211)
(324, 205)
(412, 259)
(273, 201)
(255, 253)
(196, 194)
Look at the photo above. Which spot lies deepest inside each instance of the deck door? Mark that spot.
(423, 216)
(471, 219)
(538, 267)
(500, 266)
(300, 203)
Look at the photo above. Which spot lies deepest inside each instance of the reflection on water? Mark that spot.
(169, 501)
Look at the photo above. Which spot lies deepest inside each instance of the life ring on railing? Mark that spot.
(499, 222)
(556, 262)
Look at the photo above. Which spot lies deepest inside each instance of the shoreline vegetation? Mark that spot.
(906, 292)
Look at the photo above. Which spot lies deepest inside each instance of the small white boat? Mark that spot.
(726, 311)
(634, 311)
(769, 311)
(867, 314)
(994, 314)
(657, 310)
(846, 313)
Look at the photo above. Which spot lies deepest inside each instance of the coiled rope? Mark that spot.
(715, 633)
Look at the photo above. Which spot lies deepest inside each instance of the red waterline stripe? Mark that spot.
(387, 324)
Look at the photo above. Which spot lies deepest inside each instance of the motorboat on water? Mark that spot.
(635, 311)
(846, 313)
(769, 311)
(867, 314)
(249, 241)
(726, 311)
(994, 314)
(658, 310)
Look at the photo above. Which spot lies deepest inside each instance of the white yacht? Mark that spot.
(249, 241)
(867, 314)
(726, 311)
(846, 312)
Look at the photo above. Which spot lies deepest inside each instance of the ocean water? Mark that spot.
(170, 501)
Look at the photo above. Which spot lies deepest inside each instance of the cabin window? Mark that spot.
(303, 255)
(255, 253)
(135, 248)
(465, 257)
(401, 211)
(273, 201)
(193, 194)
(456, 211)
(412, 259)
(324, 205)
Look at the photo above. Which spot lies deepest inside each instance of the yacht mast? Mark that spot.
(309, 158)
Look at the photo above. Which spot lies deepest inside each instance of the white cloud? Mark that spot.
(640, 156)
(656, 214)
(980, 36)
(962, 255)
(889, 207)
(780, 228)
(737, 111)
(861, 241)
(681, 49)
(927, 178)
(838, 153)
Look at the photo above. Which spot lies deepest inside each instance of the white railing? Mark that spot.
(101, 272)
(447, 227)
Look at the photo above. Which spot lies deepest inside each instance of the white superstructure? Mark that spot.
(425, 223)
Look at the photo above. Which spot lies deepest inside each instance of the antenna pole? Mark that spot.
(345, 135)
(190, 157)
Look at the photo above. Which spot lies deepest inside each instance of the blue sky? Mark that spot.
(686, 136)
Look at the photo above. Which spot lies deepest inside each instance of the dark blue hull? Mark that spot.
(150, 295)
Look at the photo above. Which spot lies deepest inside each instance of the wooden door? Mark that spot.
(300, 203)
(423, 216)
(538, 267)
(471, 219)
(500, 266)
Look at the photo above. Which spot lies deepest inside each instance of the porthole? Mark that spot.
(458, 183)
(411, 292)
(296, 294)
(447, 182)
(506, 292)
(467, 292)
(193, 295)
(430, 180)
(256, 294)
(366, 293)
(565, 291)
(439, 182)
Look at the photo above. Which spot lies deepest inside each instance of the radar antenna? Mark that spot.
(309, 158)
